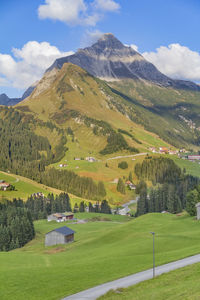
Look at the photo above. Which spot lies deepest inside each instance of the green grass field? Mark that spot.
(25, 187)
(180, 284)
(192, 168)
(102, 251)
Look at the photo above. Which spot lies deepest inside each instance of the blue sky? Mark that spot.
(166, 32)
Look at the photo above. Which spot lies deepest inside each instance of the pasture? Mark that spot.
(102, 251)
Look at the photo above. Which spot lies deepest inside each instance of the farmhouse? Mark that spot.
(59, 217)
(130, 185)
(163, 150)
(37, 195)
(91, 159)
(4, 185)
(194, 157)
(62, 235)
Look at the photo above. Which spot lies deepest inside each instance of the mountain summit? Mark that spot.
(110, 60)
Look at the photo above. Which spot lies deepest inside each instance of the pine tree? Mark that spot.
(82, 206)
(130, 177)
(105, 208)
(121, 186)
(142, 206)
(75, 208)
(101, 189)
(193, 197)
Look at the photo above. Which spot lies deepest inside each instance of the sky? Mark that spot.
(34, 33)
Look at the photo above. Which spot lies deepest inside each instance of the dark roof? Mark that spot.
(64, 230)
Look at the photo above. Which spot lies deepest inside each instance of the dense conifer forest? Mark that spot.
(16, 226)
(170, 190)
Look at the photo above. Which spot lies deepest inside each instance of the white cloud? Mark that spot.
(68, 11)
(107, 5)
(27, 64)
(77, 12)
(176, 61)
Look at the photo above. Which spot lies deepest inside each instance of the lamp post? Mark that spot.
(153, 233)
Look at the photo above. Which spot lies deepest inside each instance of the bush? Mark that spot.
(123, 165)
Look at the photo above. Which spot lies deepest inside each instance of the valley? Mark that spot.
(101, 142)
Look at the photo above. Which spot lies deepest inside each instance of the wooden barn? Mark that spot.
(62, 235)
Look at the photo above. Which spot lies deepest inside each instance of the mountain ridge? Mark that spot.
(5, 100)
(110, 60)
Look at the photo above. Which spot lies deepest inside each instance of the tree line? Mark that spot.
(171, 186)
(100, 207)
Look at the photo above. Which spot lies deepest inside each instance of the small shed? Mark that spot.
(62, 235)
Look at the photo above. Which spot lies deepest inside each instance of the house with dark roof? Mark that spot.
(62, 235)
(60, 217)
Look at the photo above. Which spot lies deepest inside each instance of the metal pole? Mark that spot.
(153, 256)
(153, 233)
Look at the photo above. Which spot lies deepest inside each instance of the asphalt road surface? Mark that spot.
(97, 291)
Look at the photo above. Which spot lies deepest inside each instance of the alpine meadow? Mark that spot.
(99, 150)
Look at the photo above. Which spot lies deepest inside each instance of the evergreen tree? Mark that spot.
(121, 186)
(193, 197)
(101, 189)
(130, 177)
(75, 208)
(82, 206)
(123, 165)
(105, 208)
(142, 205)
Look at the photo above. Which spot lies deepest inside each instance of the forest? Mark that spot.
(16, 226)
(21, 150)
(170, 186)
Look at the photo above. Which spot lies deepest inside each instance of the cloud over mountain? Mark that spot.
(176, 61)
(27, 65)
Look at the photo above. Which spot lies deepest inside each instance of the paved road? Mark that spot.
(130, 202)
(126, 156)
(94, 293)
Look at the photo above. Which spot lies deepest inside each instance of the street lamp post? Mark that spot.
(153, 233)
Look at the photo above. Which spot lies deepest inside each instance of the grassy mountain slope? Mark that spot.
(24, 187)
(172, 114)
(72, 99)
(73, 96)
(121, 249)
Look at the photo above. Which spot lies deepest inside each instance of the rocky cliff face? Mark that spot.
(110, 60)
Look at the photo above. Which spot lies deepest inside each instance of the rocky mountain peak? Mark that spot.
(111, 60)
(108, 40)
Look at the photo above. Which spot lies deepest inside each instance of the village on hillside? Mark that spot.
(181, 153)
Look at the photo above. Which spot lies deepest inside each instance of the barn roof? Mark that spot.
(64, 230)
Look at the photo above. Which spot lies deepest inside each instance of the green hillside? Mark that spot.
(121, 248)
(72, 115)
(172, 114)
(179, 284)
(24, 187)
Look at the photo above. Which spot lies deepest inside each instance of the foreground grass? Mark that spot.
(179, 284)
(102, 251)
